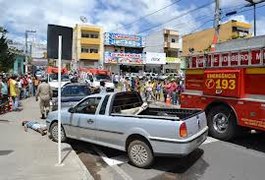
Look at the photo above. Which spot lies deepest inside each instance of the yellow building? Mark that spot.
(201, 41)
(88, 45)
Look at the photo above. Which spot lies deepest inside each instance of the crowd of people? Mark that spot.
(152, 89)
(15, 88)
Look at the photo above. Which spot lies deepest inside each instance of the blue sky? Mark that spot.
(113, 15)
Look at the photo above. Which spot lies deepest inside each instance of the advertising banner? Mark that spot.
(155, 58)
(173, 60)
(127, 40)
(123, 58)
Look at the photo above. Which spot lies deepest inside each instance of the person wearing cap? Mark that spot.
(44, 92)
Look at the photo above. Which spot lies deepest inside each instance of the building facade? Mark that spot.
(19, 64)
(88, 46)
(201, 41)
(164, 41)
(123, 52)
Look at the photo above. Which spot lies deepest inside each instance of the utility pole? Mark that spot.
(26, 49)
(217, 19)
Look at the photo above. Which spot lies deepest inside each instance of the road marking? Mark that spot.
(113, 164)
(210, 140)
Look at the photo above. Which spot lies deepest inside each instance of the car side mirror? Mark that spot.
(71, 110)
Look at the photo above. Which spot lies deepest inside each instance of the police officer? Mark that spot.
(44, 92)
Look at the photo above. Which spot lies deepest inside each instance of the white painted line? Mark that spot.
(120, 159)
(113, 164)
(210, 140)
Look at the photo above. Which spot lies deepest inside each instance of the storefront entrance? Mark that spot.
(131, 68)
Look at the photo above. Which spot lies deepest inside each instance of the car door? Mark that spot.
(83, 119)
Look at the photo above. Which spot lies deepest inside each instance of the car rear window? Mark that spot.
(126, 101)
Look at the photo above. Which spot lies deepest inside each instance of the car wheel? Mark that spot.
(54, 132)
(222, 123)
(140, 154)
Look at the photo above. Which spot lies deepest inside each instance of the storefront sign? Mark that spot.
(155, 58)
(173, 60)
(123, 58)
(118, 39)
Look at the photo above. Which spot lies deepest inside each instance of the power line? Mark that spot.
(177, 17)
(147, 15)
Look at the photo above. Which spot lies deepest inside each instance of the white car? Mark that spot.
(53, 82)
(94, 81)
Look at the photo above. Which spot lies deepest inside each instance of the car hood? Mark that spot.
(54, 114)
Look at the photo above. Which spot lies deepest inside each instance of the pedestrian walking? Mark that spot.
(102, 87)
(174, 92)
(149, 90)
(14, 92)
(4, 89)
(158, 90)
(30, 81)
(36, 82)
(44, 92)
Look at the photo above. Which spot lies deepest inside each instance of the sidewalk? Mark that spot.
(28, 155)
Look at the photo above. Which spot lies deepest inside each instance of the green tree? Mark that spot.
(7, 58)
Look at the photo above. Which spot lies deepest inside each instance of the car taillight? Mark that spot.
(183, 130)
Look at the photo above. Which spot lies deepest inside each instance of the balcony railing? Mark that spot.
(90, 56)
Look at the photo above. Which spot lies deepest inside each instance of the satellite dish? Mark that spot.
(83, 19)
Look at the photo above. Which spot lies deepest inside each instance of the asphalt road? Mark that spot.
(242, 159)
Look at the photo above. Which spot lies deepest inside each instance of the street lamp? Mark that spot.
(26, 48)
(253, 3)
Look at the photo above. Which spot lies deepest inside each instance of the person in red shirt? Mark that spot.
(25, 86)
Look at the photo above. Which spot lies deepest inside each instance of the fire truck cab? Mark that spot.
(230, 87)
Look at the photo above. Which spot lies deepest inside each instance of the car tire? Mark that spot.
(54, 133)
(140, 154)
(222, 123)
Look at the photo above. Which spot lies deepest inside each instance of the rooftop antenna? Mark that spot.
(83, 19)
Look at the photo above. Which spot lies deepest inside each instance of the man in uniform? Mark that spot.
(44, 91)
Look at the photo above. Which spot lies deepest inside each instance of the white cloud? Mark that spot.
(231, 3)
(32, 14)
(36, 14)
(259, 26)
(241, 18)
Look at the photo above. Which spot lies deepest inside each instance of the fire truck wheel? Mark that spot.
(222, 123)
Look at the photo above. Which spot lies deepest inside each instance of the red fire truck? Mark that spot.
(230, 87)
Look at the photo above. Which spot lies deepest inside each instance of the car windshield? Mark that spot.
(102, 77)
(54, 77)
